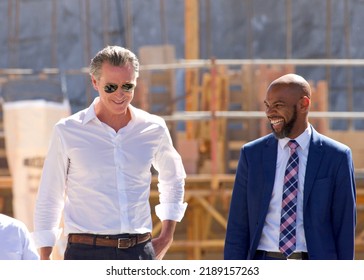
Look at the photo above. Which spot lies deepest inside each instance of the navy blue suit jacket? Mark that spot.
(329, 210)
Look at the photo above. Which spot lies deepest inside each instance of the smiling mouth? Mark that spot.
(119, 102)
(276, 122)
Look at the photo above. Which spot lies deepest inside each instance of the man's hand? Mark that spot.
(162, 243)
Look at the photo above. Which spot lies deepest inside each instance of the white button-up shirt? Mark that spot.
(15, 240)
(102, 178)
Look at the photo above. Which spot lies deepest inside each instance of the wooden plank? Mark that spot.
(156, 91)
(207, 244)
(6, 182)
(191, 52)
(236, 145)
(156, 54)
(159, 78)
(319, 102)
(353, 139)
(360, 196)
(192, 29)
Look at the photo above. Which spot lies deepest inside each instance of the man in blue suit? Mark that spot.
(320, 222)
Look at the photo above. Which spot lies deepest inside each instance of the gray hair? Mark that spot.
(116, 56)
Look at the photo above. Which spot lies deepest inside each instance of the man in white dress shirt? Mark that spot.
(98, 171)
(15, 240)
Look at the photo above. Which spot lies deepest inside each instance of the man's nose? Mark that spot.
(268, 110)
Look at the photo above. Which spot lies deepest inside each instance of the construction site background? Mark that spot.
(205, 66)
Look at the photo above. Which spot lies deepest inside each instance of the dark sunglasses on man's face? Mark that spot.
(110, 88)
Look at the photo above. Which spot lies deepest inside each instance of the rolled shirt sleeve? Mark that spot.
(50, 199)
(171, 181)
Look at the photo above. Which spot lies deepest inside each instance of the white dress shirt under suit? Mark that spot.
(270, 235)
(102, 178)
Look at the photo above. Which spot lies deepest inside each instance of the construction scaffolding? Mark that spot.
(227, 112)
(212, 106)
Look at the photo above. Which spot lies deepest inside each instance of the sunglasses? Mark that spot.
(110, 88)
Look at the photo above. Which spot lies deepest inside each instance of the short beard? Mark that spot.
(287, 129)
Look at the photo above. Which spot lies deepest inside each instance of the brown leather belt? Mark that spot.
(109, 240)
(280, 256)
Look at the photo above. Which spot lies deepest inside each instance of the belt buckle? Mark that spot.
(120, 246)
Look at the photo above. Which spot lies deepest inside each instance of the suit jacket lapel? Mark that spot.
(313, 162)
(269, 168)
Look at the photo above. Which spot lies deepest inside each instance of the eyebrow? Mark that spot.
(275, 102)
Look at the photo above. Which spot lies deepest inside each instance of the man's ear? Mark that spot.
(305, 103)
(94, 83)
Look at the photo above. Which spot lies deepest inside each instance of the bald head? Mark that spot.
(296, 83)
(287, 105)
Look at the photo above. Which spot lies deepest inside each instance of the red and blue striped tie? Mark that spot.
(287, 238)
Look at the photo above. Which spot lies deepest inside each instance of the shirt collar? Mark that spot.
(303, 140)
(90, 113)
